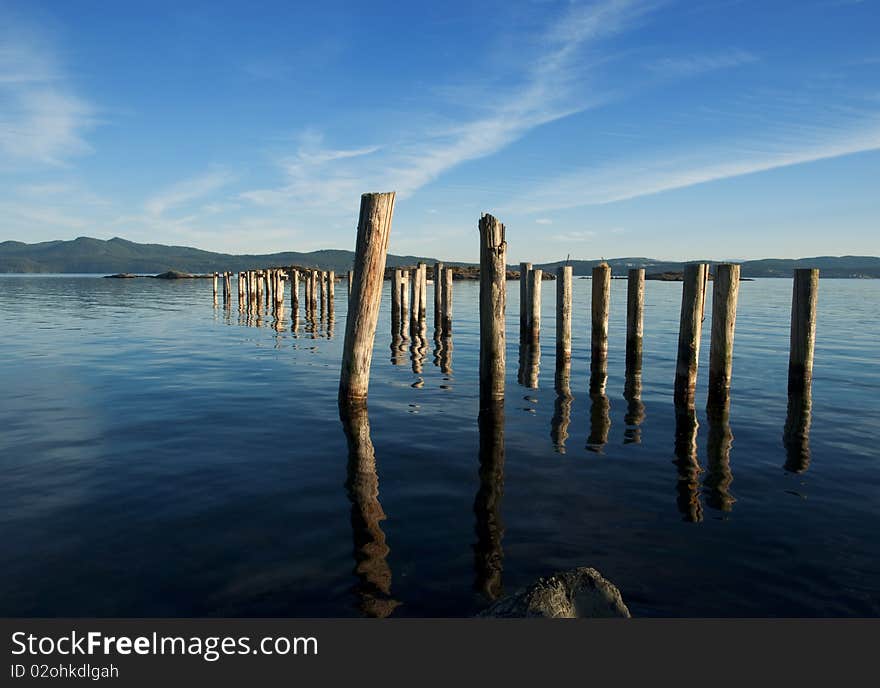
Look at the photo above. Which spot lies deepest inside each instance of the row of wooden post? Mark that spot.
(365, 288)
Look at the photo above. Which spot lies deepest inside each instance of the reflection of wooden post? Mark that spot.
(488, 554)
(438, 295)
(601, 303)
(600, 419)
(718, 477)
(374, 231)
(446, 302)
(362, 485)
(690, 329)
(562, 379)
(535, 277)
(687, 487)
(805, 293)
(524, 269)
(796, 436)
(724, 297)
(348, 280)
(493, 288)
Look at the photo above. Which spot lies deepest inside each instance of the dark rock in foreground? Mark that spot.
(580, 593)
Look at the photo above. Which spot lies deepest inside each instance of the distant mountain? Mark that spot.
(85, 255)
(829, 266)
(118, 255)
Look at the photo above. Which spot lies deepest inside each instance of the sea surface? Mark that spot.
(165, 456)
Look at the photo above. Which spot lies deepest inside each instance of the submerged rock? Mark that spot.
(121, 275)
(580, 593)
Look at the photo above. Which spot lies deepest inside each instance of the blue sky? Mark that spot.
(717, 129)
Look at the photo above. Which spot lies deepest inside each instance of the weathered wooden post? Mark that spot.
(524, 269)
(690, 329)
(314, 292)
(227, 287)
(535, 277)
(724, 296)
(294, 291)
(493, 297)
(563, 315)
(438, 297)
(404, 304)
(396, 280)
(331, 292)
(322, 291)
(215, 286)
(423, 292)
(446, 302)
(635, 304)
(259, 278)
(371, 250)
(601, 303)
(805, 294)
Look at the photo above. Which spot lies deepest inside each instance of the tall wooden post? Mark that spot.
(294, 291)
(690, 329)
(423, 292)
(524, 269)
(215, 286)
(635, 304)
(446, 303)
(396, 279)
(438, 296)
(601, 303)
(493, 296)
(371, 250)
(805, 294)
(724, 296)
(535, 277)
(331, 292)
(563, 315)
(405, 278)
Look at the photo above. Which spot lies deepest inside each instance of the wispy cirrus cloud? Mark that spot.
(693, 65)
(43, 120)
(614, 182)
(547, 87)
(188, 190)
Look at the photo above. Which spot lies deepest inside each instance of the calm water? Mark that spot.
(161, 456)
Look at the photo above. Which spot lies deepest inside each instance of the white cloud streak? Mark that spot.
(187, 190)
(42, 120)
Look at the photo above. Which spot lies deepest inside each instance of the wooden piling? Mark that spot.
(601, 303)
(535, 277)
(294, 292)
(805, 293)
(690, 329)
(563, 315)
(331, 292)
(724, 297)
(227, 287)
(215, 285)
(423, 292)
(446, 302)
(635, 304)
(371, 250)
(396, 280)
(438, 297)
(493, 295)
(404, 304)
(524, 269)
